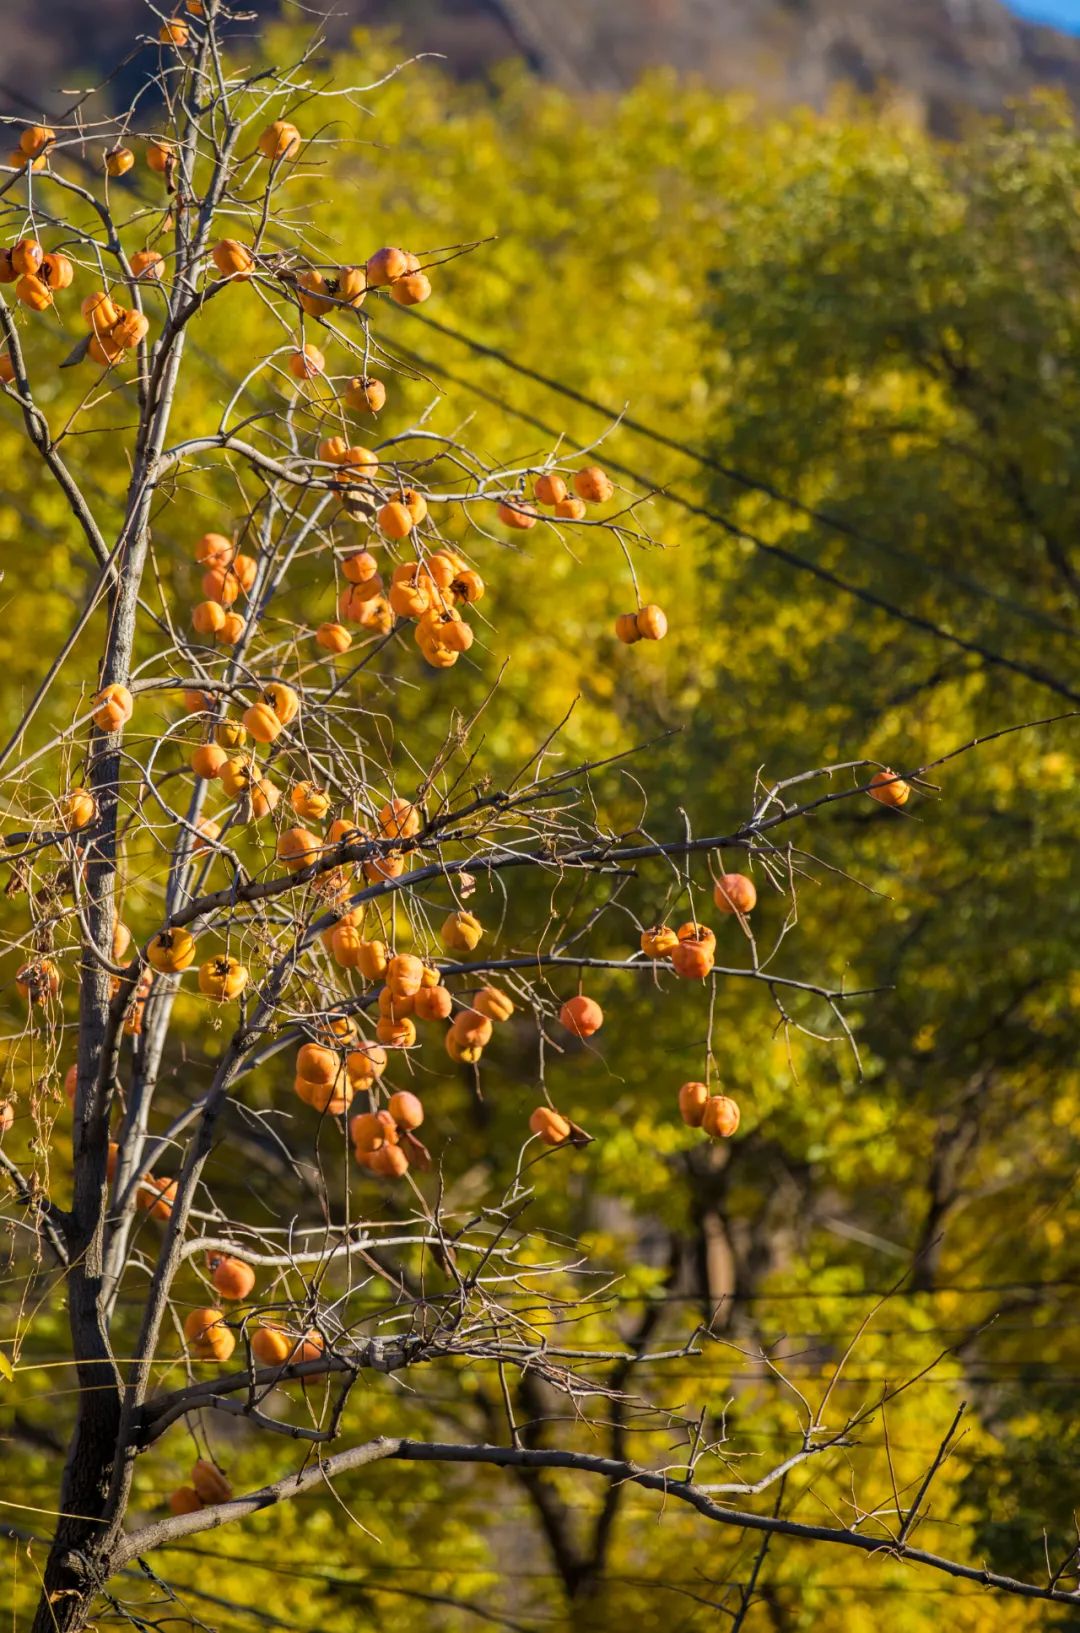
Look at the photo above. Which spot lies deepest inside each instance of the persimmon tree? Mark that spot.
(224, 852)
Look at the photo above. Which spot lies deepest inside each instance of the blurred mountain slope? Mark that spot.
(943, 56)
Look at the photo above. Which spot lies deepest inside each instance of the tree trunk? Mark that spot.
(90, 1516)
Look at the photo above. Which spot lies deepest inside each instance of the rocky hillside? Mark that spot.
(943, 55)
(946, 55)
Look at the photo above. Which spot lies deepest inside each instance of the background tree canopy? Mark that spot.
(844, 342)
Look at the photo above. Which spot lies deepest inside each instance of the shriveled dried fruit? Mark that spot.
(550, 1126)
(593, 485)
(720, 1117)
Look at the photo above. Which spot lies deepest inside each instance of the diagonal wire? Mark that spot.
(752, 484)
(1033, 672)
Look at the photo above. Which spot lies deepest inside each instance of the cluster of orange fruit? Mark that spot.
(429, 592)
(691, 949)
(210, 1338)
(583, 1017)
(356, 466)
(208, 1334)
(220, 759)
(33, 149)
(221, 978)
(321, 292)
(153, 1196)
(37, 273)
(412, 990)
(208, 1486)
(361, 602)
(715, 1114)
(592, 486)
(382, 1141)
(649, 623)
(228, 573)
(329, 1074)
(333, 1068)
(160, 153)
(114, 329)
(398, 271)
(278, 142)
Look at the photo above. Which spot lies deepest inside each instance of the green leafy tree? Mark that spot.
(765, 297)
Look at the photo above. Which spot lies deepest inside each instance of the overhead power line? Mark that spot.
(753, 484)
(517, 1574)
(1032, 672)
(779, 1295)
